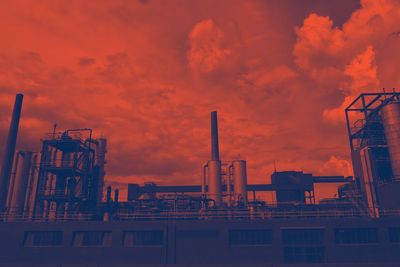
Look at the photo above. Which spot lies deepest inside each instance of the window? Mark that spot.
(303, 236)
(43, 238)
(250, 237)
(92, 239)
(143, 238)
(201, 233)
(303, 245)
(356, 235)
(304, 254)
(394, 234)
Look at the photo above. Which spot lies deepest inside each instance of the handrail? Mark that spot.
(200, 215)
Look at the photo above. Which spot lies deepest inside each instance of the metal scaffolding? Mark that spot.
(67, 183)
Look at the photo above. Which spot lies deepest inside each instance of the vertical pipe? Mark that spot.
(214, 136)
(9, 151)
(108, 198)
(116, 195)
(101, 160)
(203, 179)
(229, 183)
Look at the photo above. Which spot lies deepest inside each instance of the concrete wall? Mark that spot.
(192, 243)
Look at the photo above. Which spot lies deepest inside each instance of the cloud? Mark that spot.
(206, 46)
(362, 72)
(86, 61)
(147, 80)
(352, 58)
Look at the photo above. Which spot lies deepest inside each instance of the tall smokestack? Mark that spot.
(9, 151)
(214, 165)
(214, 136)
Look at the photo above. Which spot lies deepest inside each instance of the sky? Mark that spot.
(146, 75)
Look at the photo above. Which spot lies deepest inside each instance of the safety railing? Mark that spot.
(200, 215)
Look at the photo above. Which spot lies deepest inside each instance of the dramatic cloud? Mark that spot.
(146, 75)
(206, 46)
(353, 58)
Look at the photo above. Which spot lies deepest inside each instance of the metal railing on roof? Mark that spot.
(227, 215)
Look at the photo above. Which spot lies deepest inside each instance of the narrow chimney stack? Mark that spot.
(9, 151)
(214, 136)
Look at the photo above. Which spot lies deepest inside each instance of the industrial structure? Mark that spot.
(54, 210)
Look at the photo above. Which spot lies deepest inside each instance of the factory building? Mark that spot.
(54, 212)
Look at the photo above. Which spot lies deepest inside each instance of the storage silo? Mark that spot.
(17, 202)
(240, 181)
(390, 114)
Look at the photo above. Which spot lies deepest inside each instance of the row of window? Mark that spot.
(93, 238)
(290, 237)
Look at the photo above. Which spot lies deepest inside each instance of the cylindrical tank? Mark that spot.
(12, 179)
(240, 181)
(30, 198)
(214, 181)
(21, 182)
(390, 114)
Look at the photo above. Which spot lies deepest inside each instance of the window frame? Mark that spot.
(104, 242)
(30, 241)
(374, 239)
(248, 244)
(138, 244)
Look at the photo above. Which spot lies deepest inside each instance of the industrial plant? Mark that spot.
(56, 210)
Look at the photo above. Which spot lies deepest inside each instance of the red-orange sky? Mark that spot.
(146, 74)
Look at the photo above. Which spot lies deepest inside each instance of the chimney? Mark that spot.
(9, 151)
(214, 136)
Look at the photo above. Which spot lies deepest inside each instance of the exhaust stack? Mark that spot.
(214, 136)
(9, 151)
(214, 165)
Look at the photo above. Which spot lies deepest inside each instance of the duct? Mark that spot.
(390, 114)
(240, 181)
(9, 151)
(21, 183)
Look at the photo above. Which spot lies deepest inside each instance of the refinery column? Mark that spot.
(9, 151)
